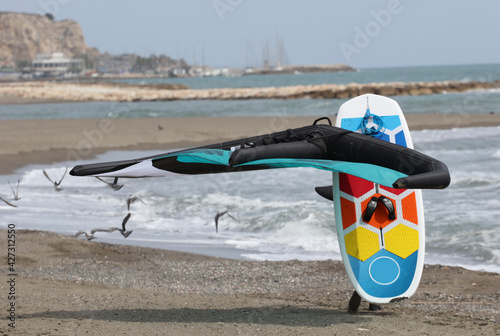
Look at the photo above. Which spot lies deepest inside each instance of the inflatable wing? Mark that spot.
(318, 146)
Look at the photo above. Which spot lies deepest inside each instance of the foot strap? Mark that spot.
(372, 206)
(389, 206)
(370, 209)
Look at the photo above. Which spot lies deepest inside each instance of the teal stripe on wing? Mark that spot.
(377, 174)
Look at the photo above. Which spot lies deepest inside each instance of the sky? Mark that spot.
(235, 33)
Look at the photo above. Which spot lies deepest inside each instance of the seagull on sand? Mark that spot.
(16, 191)
(8, 203)
(56, 184)
(123, 231)
(131, 199)
(219, 215)
(114, 185)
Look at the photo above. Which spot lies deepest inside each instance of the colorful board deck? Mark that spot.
(383, 257)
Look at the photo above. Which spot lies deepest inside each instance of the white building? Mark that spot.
(56, 64)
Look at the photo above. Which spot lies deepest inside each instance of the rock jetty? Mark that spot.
(109, 92)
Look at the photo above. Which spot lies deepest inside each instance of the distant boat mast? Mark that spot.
(271, 58)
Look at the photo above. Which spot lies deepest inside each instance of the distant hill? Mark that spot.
(22, 36)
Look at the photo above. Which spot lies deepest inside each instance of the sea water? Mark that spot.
(278, 216)
(478, 101)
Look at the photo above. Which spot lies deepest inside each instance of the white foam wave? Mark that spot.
(474, 177)
(279, 216)
(471, 133)
(492, 90)
(307, 234)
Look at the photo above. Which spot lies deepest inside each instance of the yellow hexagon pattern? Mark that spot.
(362, 243)
(402, 241)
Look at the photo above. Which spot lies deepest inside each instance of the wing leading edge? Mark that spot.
(317, 146)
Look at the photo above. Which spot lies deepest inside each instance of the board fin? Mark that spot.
(325, 192)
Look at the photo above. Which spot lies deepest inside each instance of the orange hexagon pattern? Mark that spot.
(348, 212)
(397, 237)
(410, 208)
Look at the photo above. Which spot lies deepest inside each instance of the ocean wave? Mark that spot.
(473, 181)
(492, 90)
(471, 133)
(278, 215)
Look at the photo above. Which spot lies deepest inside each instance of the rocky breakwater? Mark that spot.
(397, 88)
(118, 92)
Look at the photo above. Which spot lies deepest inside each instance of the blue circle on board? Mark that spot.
(384, 270)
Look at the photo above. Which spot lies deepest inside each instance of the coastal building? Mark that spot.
(56, 65)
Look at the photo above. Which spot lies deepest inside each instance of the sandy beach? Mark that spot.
(68, 286)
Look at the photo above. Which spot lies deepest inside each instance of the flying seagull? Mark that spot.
(89, 237)
(56, 184)
(123, 231)
(131, 199)
(219, 215)
(8, 203)
(114, 185)
(16, 191)
(113, 229)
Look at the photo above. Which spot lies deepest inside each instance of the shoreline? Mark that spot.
(66, 285)
(24, 142)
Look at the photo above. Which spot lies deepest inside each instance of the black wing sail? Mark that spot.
(319, 146)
